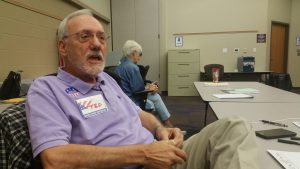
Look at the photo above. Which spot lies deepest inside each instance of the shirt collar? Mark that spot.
(77, 83)
(126, 59)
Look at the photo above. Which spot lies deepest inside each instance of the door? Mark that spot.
(147, 35)
(137, 20)
(279, 47)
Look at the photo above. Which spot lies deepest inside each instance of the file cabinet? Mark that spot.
(183, 70)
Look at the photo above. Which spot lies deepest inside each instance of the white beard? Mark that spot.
(92, 71)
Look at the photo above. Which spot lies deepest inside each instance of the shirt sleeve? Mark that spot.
(48, 124)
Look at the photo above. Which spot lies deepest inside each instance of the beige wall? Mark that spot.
(194, 16)
(294, 60)
(219, 16)
(102, 7)
(28, 35)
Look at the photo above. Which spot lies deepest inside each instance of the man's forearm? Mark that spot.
(86, 156)
(149, 122)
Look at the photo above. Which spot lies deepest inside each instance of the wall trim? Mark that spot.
(211, 33)
(22, 5)
(102, 17)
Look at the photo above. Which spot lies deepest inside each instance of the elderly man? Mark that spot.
(82, 119)
(132, 82)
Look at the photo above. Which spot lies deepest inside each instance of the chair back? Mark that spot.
(110, 70)
(208, 69)
(140, 96)
(280, 80)
(144, 70)
(15, 142)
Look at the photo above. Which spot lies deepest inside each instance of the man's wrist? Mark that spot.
(156, 129)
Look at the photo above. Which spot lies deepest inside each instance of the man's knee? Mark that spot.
(229, 127)
(236, 122)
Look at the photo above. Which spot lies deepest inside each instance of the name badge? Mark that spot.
(92, 105)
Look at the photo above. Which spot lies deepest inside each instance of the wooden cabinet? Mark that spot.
(183, 70)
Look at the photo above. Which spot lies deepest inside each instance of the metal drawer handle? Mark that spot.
(183, 87)
(182, 64)
(183, 52)
(183, 76)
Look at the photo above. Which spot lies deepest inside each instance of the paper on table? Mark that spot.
(211, 84)
(297, 123)
(241, 90)
(232, 96)
(14, 100)
(288, 159)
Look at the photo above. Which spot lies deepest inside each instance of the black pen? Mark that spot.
(288, 141)
(274, 123)
(295, 138)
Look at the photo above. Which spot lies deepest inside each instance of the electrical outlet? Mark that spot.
(225, 50)
(236, 50)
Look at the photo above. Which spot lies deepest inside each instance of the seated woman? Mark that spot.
(132, 81)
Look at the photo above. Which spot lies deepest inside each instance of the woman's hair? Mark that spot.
(131, 46)
(62, 29)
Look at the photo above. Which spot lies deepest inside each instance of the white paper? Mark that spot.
(289, 160)
(241, 90)
(208, 84)
(297, 123)
(232, 96)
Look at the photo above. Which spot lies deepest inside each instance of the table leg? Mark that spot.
(205, 116)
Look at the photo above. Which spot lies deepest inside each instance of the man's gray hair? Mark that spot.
(62, 29)
(131, 46)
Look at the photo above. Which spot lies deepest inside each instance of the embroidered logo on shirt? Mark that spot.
(71, 91)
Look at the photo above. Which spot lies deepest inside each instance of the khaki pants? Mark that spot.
(225, 144)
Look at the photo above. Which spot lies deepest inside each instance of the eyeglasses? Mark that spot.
(85, 36)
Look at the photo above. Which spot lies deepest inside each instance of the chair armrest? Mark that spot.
(147, 81)
(146, 91)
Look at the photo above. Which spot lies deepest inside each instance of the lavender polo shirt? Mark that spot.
(55, 117)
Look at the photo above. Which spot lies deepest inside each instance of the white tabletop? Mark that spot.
(253, 112)
(266, 93)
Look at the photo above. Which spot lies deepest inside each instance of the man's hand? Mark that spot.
(163, 154)
(175, 134)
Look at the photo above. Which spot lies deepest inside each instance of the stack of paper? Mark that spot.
(208, 84)
(289, 160)
(242, 90)
(232, 96)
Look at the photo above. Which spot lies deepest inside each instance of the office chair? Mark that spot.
(208, 71)
(144, 70)
(141, 96)
(15, 142)
(280, 80)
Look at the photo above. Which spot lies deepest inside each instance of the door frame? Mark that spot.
(286, 45)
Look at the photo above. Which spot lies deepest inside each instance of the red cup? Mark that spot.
(215, 74)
